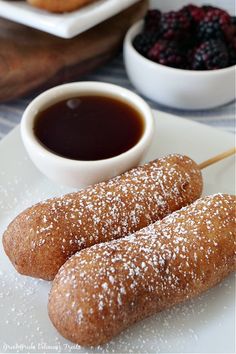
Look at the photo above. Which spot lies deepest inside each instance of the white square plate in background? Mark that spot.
(66, 25)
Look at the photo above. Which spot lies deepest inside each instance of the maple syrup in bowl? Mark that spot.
(89, 128)
(82, 133)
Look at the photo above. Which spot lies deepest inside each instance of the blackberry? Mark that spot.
(232, 52)
(174, 25)
(214, 25)
(230, 34)
(151, 20)
(144, 41)
(210, 55)
(233, 20)
(194, 13)
(207, 8)
(232, 56)
(167, 53)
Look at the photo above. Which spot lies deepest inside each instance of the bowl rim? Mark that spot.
(56, 93)
(136, 29)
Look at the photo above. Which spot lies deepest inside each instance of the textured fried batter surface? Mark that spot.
(44, 236)
(102, 290)
(60, 5)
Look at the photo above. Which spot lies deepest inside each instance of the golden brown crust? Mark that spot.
(60, 5)
(102, 290)
(44, 236)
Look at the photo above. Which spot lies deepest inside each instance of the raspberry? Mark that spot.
(151, 20)
(167, 53)
(214, 25)
(194, 13)
(144, 41)
(174, 25)
(210, 55)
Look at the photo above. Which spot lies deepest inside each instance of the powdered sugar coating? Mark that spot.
(57, 228)
(106, 203)
(165, 263)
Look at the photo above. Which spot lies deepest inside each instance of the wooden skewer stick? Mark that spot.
(217, 158)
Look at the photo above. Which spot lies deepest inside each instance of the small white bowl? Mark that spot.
(178, 88)
(76, 173)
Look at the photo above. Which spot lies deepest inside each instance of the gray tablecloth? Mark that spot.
(114, 72)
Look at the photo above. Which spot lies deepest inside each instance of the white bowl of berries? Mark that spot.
(183, 59)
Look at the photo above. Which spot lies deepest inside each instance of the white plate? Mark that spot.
(205, 324)
(65, 25)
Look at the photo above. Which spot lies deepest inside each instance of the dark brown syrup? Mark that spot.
(89, 127)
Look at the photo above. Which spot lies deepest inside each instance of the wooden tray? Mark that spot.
(31, 59)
